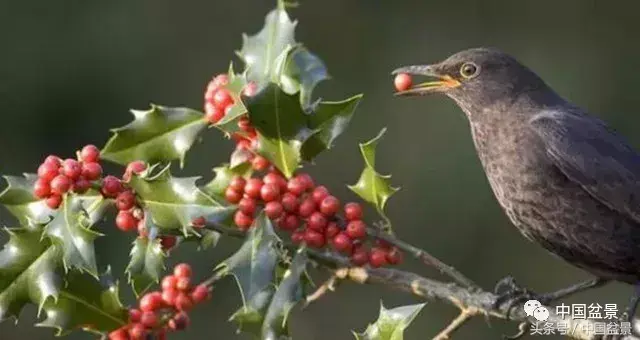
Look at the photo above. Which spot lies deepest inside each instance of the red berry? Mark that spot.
(53, 201)
(168, 242)
(307, 207)
(332, 230)
(182, 270)
(149, 319)
(119, 334)
(237, 183)
(242, 220)
(81, 185)
(134, 315)
(213, 114)
(243, 144)
(60, 184)
(244, 124)
(273, 210)
(289, 202)
(183, 283)
(356, 229)
(270, 192)
(360, 256)
(125, 200)
(383, 244)
(259, 163)
(296, 186)
(353, 211)
(169, 282)
(289, 223)
(402, 82)
(135, 167)
(53, 160)
(41, 188)
(91, 171)
(394, 256)
(111, 186)
(142, 228)
(253, 187)
(200, 293)
(313, 238)
(330, 206)
(232, 196)
(277, 179)
(151, 301)
(89, 154)
(220, 80)
(319, 194)
(343, 243)
(378, 257)
(169, 296)
(71, 168)
(125, 221)
(297, 237)
(137, 332)
(250, 89)
(317, 221)
(307, 181)
(48, 171)
(179, 322)
(247, 205)
(183, 302)
(222, 98)
(199, 222)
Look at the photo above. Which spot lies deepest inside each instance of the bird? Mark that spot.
(564, 178)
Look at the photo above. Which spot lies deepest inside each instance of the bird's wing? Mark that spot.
(592, 155)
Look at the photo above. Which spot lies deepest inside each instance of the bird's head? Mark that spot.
(475, 78)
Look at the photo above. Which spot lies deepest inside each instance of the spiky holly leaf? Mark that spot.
(174, 202)
(85, 303)
(284, 154)
(70, 228)
(254, 266)
(391, 323)
(299, 70)
(288, 294)
(29, 271)
(329, 121)
(240, 158)
(372, 186)
(160, 134)
(223, 175)
(229, 123)
(259, 52)
(146, 264)
(18, 198)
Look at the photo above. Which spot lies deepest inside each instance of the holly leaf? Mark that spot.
(329, 121)
(284, 154)
(70, 229)
(372, 186)
(208, 239)
(260, 52)
(254, 267)
(391, 323)
(223, 175)
(240, 157)
(146, 264)
(229, 123)
(160, 134)
(85, 303)
(288, 294)
(18, 198)
(174, 202)
(299, 70)
(28, 271)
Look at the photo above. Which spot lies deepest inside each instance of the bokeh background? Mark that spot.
(70, 70)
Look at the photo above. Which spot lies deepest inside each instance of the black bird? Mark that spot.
(564, 179)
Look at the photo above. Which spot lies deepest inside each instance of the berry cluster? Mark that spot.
(56, 177)
(218, 100)
(310, 213)
(162, 311)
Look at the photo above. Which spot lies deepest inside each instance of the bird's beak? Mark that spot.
(444, 82)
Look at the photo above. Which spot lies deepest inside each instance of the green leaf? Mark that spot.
(28, 271)
(284, 154)
(85, 303)
(299, 70)
(160, 134)
(329, 121)
(260, 52)
(229, 124)
(288, 294)
(18, 198)
(208, 239)
(223, 175)
(174, 202)
(147, 263)
(391, 323)
(254, 267)
(373, 187)
(70, 229)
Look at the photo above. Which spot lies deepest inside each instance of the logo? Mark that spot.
(536, 309)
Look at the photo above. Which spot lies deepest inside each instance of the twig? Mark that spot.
(464, 315)
(327, 286)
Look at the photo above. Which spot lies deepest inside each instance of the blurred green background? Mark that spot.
(70, 70)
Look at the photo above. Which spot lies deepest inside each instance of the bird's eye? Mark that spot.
(469, 70)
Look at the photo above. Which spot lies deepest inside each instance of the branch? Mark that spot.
(471, 301)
